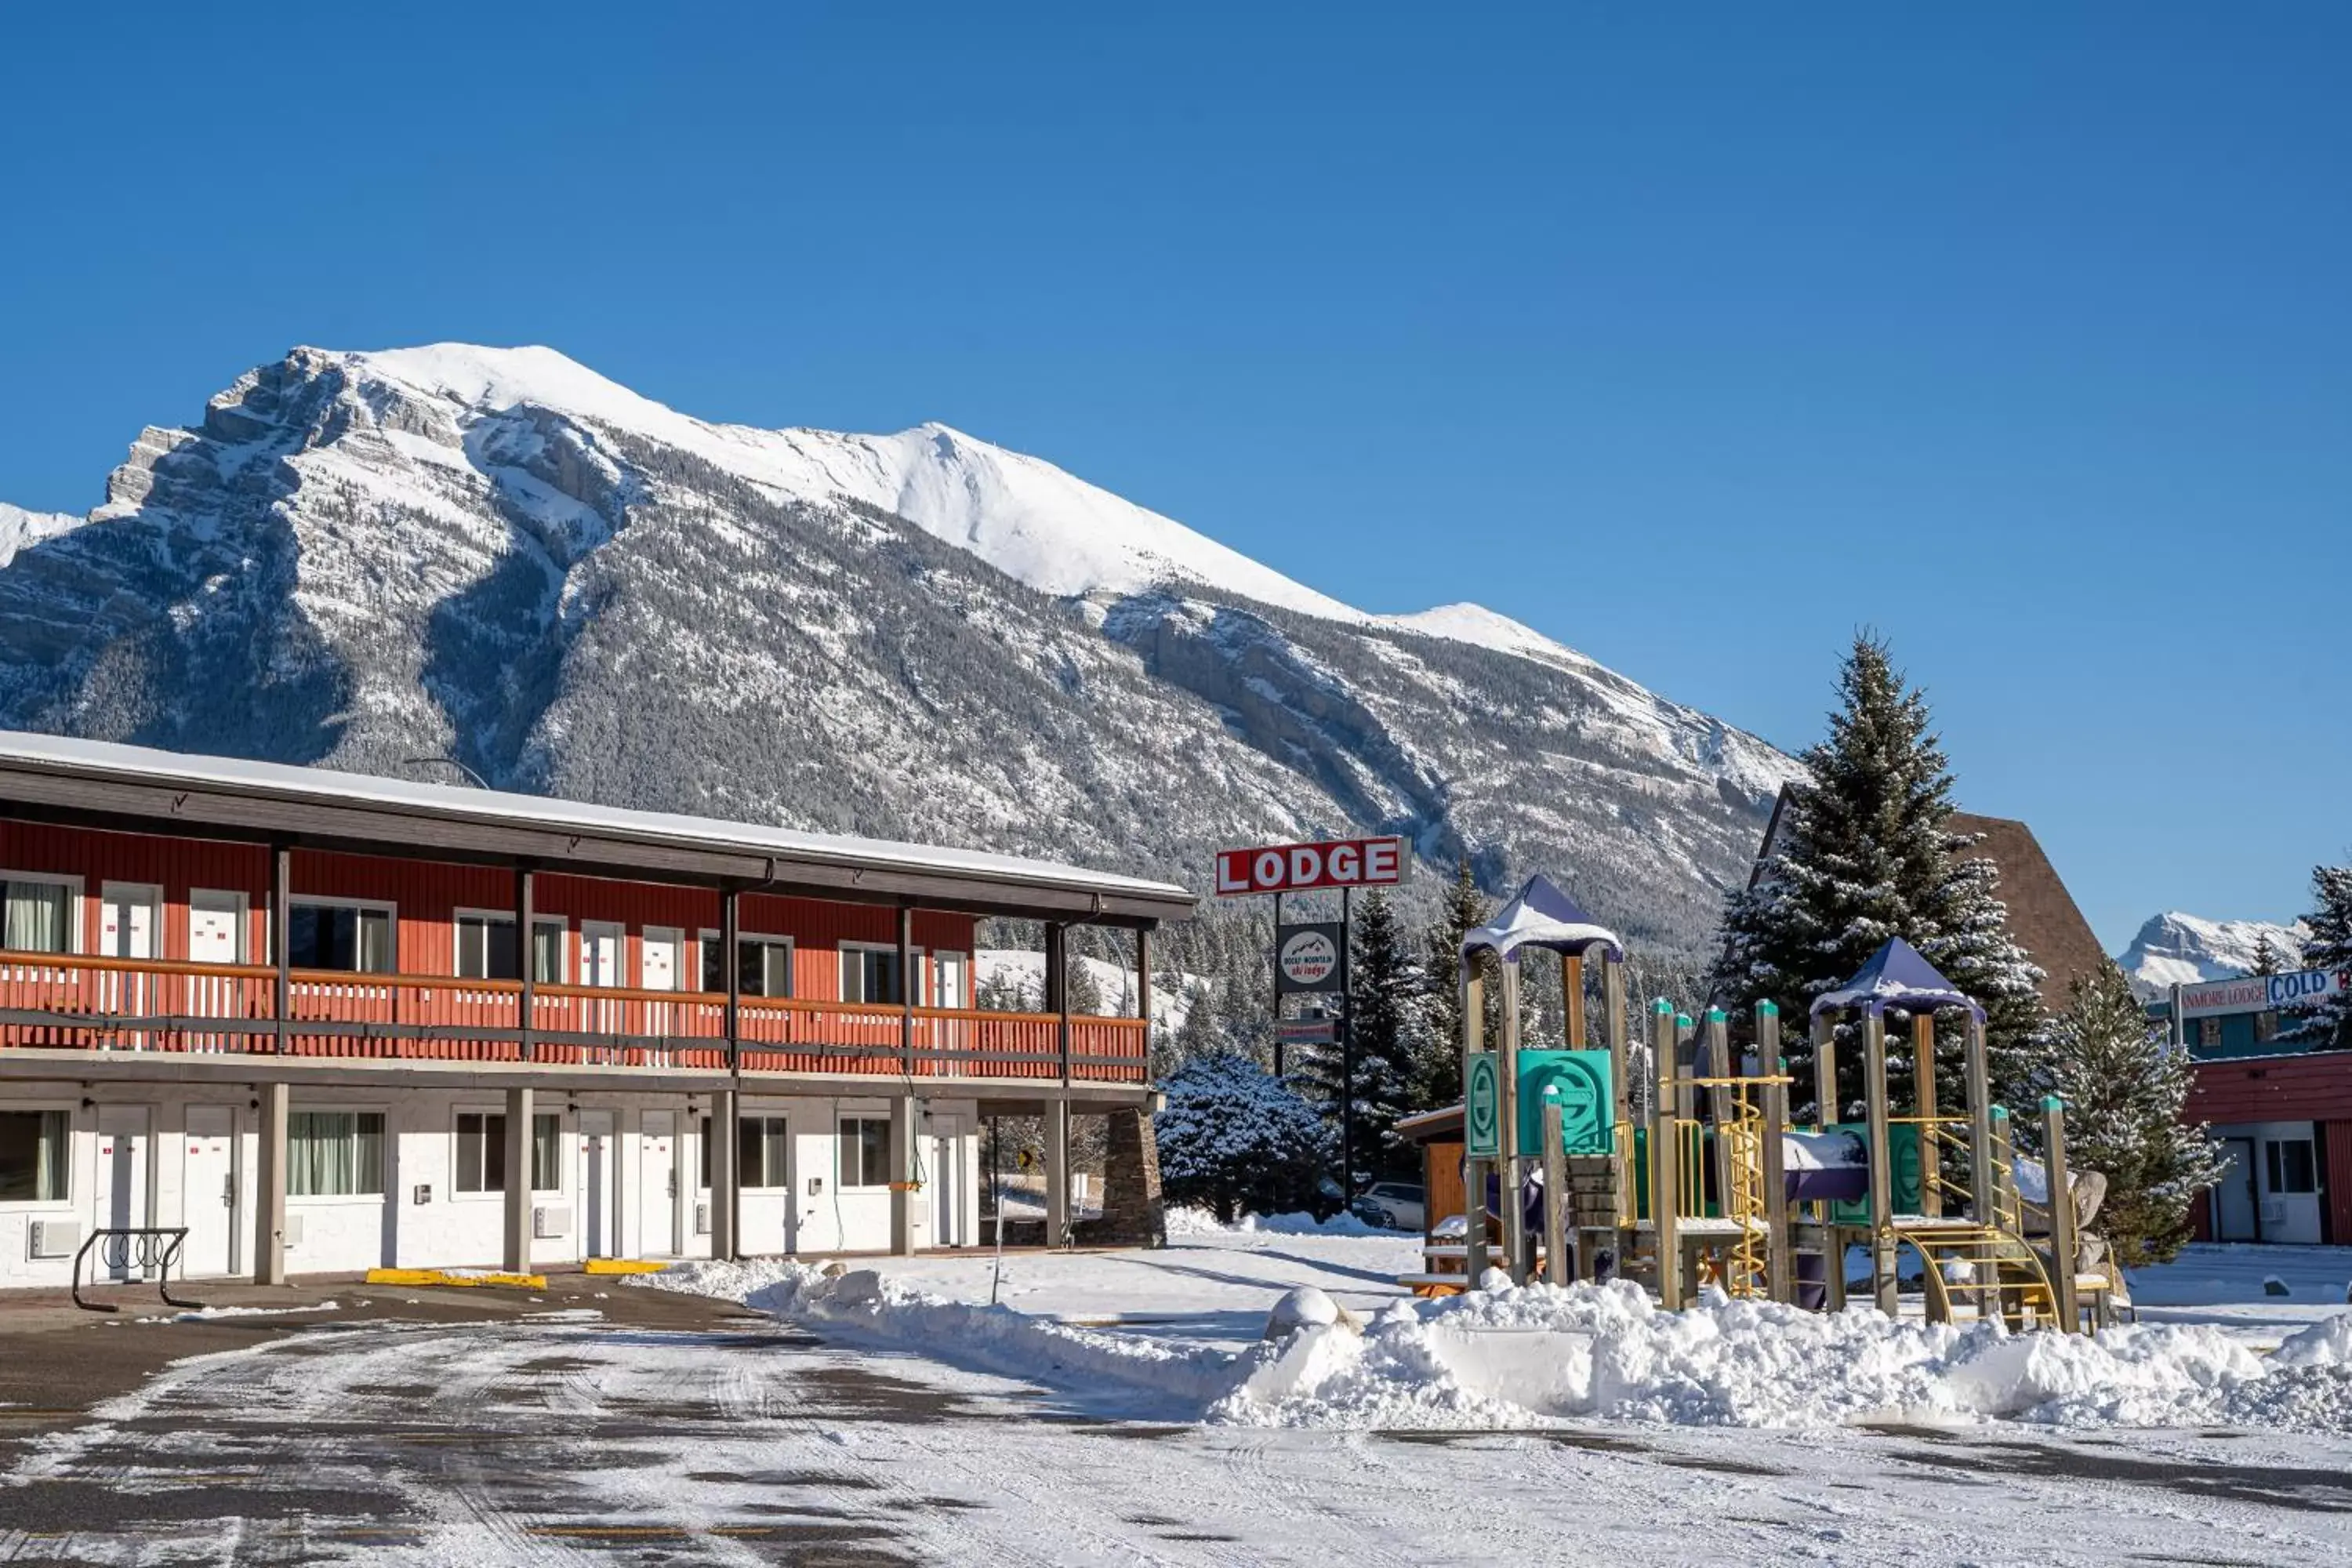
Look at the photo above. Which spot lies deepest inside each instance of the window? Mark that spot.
(2208, 1034)
(485, 949)
(482, 1152)
(33, 1155)
(870, 975)
(340, 936)
(334, 1153)
(763, 965)
(864, 1148)
(2293, 1167)
(2265, 1027)
(38, 915)
(760, 1152)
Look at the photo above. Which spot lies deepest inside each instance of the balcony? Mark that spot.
(69, 1002)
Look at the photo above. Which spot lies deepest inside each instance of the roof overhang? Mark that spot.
(131, 789)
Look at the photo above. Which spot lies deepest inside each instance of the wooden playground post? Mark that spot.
(1776, 1266)
(1556, 1192)
(2062, 1214)
(1572, 991)
(1473, 989)
(1663, 1158)
(1922, 1068)
(1621, 1092)
(1984, 1205)
(1515, 1244)
(1719, 1102)
(1882, 1175)
(1828, 1109)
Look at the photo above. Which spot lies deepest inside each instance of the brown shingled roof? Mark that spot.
(2042, 918)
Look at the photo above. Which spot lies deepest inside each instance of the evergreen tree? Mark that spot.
(1086, 996)
(1385, 999)
(1235, 1141)
(2326, 1025)
(2266, 960)
(1435, 1079)
(2125, 1089)
(1866, 852)
(1196, 1036)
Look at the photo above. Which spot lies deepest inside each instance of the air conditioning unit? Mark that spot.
(55, 1237)
(293, 1231)
(548, 1219)
(702, 1219)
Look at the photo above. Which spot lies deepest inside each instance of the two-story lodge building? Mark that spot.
(294, 1012)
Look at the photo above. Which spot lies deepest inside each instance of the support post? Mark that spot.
(2062, 1214)
(525, 961)
(1719, 1103)
(1984, 1205)
(1556, 1192)
(1571, 993)
(903, 1198)
(1931, 1158)
(1472, 990)
(518, 1189)
(1347, 1049)
(726, 1179)
(1143, 982)
(1621, 1089)
(1882, 1177)
(1517, 1243)
(731, 969)
(910, 983)
(1779, 1258)
(281, 938)
(269, 1190)
(1665, 1159)
(1057, 1173)
(1058, 991)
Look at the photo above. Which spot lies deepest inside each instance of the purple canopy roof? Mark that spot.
(1542, 916)
(1896, 976)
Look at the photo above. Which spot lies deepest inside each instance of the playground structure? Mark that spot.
(1710, 1184)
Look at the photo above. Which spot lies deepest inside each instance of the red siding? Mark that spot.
(2314, 1087)
(175, 865)
(2338, 1162)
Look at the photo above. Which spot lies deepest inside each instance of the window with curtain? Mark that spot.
(340, 936)
(546, 1151)
(38, 917)
(763, 965)
(870, 975)
(334, 1153)
(865, 1145)
(33, 1164)
(485, 949)
(760, 1152)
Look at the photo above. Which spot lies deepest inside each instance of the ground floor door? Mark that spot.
(120, 1200)
(208, 1192)
(599, 1212)
(657, 1183)
(944, 1160)
(2237, 1210)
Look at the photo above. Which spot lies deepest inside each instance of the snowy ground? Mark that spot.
(1122, 1411)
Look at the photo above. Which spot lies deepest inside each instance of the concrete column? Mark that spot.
(726, 1181)
(517, 1193)
(904, 1203)
(1057, 1171)
(269, 1190)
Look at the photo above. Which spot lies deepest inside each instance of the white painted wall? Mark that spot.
(809, 1213)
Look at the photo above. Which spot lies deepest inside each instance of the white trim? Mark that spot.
(507, 917)
(76, 915)
(72, 1109)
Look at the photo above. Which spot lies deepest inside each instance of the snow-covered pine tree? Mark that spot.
(1385, 1002)
(1235, 1141)
(1436, 1076)
(2124, 1088)
(2326, 1025)
(1865, 851)
(2266, 960)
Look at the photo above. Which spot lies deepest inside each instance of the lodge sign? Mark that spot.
(1294, 868)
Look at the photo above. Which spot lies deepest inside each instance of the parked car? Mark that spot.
(1397, 1206)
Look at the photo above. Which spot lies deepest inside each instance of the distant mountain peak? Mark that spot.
(2178, 949)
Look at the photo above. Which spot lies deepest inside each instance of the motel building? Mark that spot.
(2281, 1111)
(292, 1011)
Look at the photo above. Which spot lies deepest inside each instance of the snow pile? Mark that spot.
(1186, 1221)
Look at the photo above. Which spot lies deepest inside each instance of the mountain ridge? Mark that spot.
(2178, 949)
(499, 554)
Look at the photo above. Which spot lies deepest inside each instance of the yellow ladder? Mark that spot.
(2019, 1286)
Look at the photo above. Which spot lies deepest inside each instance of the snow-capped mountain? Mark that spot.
(19, 528)
(358, 558)
(2173, 949)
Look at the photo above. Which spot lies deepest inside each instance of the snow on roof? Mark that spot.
(325, 784)
(1542, 916)
(1897, 976)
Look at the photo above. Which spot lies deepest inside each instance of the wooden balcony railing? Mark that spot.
(71, 1001)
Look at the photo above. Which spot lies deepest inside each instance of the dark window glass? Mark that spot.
(763, 968)
(865, 1146)
(481, 1151)
(870, 975)
(2293, 1168)
(33, 1155)
(340, 936)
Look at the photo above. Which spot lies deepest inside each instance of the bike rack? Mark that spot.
(158, 1248)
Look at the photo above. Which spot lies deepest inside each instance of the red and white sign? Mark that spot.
(1308, 958)
(1294, 868)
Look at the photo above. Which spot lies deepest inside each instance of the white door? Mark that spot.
(953, 980)
(121, 1201)
(661, 966)
(658, 1184)
(596, 1185)
(603, 946)
(944, 1160)
(127, 928)
(216, 922)
(208, 1191)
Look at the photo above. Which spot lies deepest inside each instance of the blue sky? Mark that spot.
(1695, 336)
